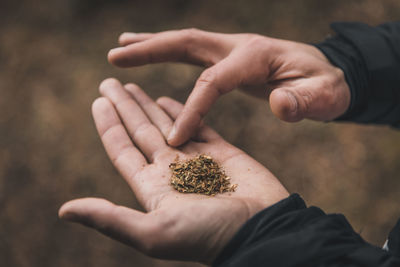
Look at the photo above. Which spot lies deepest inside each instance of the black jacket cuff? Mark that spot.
(290, 234)
(370, 59)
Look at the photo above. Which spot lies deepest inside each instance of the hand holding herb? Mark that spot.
(178, 226)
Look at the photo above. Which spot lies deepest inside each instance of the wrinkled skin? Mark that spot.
(296, 78)
(133, 129)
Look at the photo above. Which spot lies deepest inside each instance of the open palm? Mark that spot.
(178, 226)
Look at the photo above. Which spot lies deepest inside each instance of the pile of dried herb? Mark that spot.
(200, 175)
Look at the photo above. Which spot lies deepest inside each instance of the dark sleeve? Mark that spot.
(370, 59)
(290, 234)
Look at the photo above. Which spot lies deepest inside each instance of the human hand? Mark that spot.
(297, 78)
(175, 225)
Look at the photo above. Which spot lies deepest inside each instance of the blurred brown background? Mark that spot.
(52, 58)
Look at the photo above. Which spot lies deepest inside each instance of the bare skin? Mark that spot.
(297, 78)
(133, 129)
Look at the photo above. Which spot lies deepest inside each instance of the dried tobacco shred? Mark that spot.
(200, 175)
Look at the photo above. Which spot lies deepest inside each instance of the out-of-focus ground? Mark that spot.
(52, 58)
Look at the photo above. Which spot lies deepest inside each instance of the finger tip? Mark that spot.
(65, 213)
(131, 86)
(110, 58)
(113, 56)
(161, 100)
(284, 105)
(124, 37)
(108, 83)
(178, 137)
(172, 142)
(172, 137)
(99, 103)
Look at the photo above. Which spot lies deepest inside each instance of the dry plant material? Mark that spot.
(201, 175)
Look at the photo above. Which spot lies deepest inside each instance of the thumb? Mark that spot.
(316, 103)
(121, 223)
(288, 105)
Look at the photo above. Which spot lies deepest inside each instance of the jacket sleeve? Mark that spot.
(290, 234)
(370, 60)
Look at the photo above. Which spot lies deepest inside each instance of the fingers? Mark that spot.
(213, 82)
(143, 133)
(160, 113)
(124, 155)
(170, 106)
(173, 108)
(153, 111)
(123, 224)
(127, 38)
(190, 46)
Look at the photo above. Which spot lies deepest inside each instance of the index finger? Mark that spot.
(212, 83)
(144, 134)
(124, 155)
(190, 46)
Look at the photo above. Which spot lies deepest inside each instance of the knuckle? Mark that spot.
(123, 104)
(208, 76)
(307, 98)
(142, 129)
(190, 35)
(327, 82)
(246, 36)
(258, 42)
(210, 81)
(189, 38)
(124, 151)
(304, 102)
(339, 74)
(328, 90)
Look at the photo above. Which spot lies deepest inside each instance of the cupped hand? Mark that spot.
(297, 78)
(174, 225)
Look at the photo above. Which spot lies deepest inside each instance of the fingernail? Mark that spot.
(172, 134)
